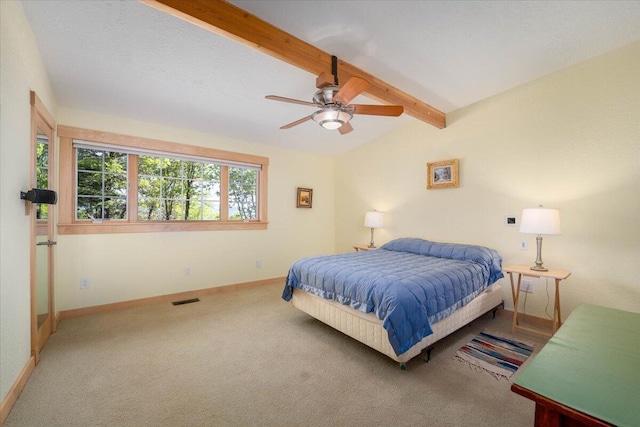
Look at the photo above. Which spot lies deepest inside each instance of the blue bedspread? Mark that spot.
(408, 283)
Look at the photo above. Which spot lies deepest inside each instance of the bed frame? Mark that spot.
(367, 328)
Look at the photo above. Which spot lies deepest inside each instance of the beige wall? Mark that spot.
(570, 140)
(122, 267)
(22, 70)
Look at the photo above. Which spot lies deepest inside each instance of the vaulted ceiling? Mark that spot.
(128, 59)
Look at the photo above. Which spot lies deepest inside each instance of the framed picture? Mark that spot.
(305, 198)
(442, 174)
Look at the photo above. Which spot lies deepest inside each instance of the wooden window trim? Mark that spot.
(67, 166)
(224, 193)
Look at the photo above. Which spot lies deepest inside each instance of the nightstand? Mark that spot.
(523, 270)
(363, 248)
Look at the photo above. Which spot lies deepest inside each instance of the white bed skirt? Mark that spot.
(367, 328)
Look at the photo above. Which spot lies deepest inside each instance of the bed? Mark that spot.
(401, 298)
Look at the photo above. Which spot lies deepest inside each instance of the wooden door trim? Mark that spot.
(40, 119)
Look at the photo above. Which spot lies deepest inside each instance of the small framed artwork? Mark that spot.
(442, 174)
(305, 198)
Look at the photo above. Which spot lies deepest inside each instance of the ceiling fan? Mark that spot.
(333, 103)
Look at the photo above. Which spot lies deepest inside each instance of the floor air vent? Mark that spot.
(186, 301)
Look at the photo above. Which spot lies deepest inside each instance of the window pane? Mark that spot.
(148, 165)
(243, 194)
(172, 168)
(89, 184)
(172, 209)
(192, 173)
(42, 155)
(193, 209)
(42, 172)
(89, 160)
(89, 207)
(42, 211)
(42, 178)
(192, 170)
(115, 185)
(115, 162)
(149, 210)
(171, 188)
(211, 172)
(115, 208)
(149, 187)
(211, 210)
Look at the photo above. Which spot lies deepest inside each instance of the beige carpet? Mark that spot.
(247, 358)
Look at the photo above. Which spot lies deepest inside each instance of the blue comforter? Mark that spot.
(408, 283)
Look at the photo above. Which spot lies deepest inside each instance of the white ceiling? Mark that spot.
(128, 59)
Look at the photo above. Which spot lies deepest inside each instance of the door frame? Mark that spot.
(43, 120)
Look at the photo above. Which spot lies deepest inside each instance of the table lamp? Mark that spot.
(373, 220)
(540, 221)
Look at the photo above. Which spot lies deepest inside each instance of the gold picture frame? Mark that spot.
(305, 198)
(443, 174)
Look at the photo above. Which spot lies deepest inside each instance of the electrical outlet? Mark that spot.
(523, 245)
(187, 271)
(258, 263)
(84, 283)
(526, 286)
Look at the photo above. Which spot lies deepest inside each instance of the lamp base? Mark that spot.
(371, 245)
(538, 268)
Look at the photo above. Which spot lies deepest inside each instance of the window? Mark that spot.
(116, 183)
(243, 193)
(172, 189)
(42, 172)
(101, 185)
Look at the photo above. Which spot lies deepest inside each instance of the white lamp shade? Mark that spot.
(373, 219)
(540, 221)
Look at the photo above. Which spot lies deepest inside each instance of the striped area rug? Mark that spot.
(496, 353)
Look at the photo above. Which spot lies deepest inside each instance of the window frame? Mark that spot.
(68, 224)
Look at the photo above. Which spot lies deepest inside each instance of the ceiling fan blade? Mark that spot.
(296, 123)
(378, 110)
(290, 100)
(345, 128)
(351, 89)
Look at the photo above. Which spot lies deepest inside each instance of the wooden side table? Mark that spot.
(523, 270)
(363, 248)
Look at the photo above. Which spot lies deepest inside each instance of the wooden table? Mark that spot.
(359, 248)
(523, 270)
(588, 373)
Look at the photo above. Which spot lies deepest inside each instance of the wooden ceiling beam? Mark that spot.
(230, 21)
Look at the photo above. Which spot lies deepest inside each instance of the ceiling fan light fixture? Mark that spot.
(331, 118)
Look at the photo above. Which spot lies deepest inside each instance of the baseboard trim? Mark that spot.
(14, 392)
(85, 311)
